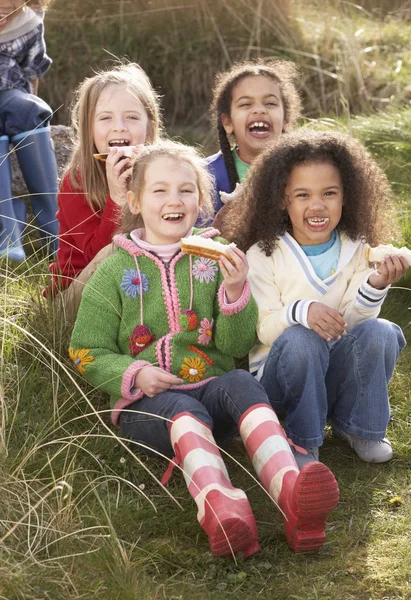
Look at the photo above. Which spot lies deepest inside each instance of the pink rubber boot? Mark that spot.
(306, 497)
(223, 511)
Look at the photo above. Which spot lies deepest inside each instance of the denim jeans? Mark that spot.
(218, 403)
(309, 380)
(21, 111)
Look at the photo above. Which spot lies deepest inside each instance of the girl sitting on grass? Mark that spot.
(114, 109)
(313, 203)
(157, 329)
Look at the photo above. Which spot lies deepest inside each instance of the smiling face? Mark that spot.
(314, 201)
(256, 115)
(119, 120)
(169, 202)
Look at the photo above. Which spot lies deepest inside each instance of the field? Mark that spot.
(82, 515)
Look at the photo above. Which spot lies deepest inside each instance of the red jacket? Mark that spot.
(83, 232)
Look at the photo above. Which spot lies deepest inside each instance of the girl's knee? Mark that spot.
(29, 112)
(241, 382)
(186, 404)
(300, 345)
(239, 376)
(381, 334)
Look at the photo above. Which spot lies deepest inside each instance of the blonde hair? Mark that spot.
(178, 152)
(85, 171)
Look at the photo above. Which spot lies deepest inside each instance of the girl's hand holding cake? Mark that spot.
(393, 262)
(390, 270)
(233, 262)
(235, 273)
(119, 166)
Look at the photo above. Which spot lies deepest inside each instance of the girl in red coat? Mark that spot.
(115, 109)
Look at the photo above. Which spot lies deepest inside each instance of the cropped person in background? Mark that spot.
(24, 123)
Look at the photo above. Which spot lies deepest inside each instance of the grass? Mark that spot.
(352, 59)
(82, 515)
(81, 518)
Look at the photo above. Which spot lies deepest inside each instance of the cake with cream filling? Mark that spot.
(376, 255)
(128, 153)
(206, 247)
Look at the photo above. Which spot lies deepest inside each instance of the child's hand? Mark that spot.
(226, 198)
(326, 321)
(153, 380)
(391, 269)
(234, 275)
(118, 173)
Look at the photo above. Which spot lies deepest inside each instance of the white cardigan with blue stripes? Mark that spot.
(285, 284)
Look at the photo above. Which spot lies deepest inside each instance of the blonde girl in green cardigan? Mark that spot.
(158, 329)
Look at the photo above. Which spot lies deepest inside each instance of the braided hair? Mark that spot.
(282, 72)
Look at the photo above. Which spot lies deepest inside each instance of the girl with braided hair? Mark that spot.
(253, 103)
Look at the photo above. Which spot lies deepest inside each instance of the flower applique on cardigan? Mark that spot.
(81, 358)
(193, 369)
(205, 269)
(134, 283)
(205, 331)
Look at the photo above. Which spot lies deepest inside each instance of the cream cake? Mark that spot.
(206, 247)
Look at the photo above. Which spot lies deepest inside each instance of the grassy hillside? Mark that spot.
(83, 516)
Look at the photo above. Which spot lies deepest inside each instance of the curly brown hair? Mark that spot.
(260, 214)
(283, 72)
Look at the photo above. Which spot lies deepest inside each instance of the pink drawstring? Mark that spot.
(191, 281)
(141, 290)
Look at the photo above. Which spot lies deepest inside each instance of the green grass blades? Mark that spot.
(82, 515)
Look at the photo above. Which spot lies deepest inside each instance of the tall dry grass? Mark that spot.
(353, 57)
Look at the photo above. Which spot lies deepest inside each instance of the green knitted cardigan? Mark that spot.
(136, 310)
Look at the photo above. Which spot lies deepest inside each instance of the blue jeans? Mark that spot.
(309, 380)
(21, 111)
(218, 403)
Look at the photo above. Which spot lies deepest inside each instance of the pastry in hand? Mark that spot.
(206, 247)
(376, 255)
(226, 198)
(128, 153)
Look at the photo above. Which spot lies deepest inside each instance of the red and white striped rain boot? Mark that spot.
(305, 497)
(223, 511)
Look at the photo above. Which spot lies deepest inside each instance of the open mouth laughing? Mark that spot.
(173, 217)
(318, 222)
(259, 128)
(119, 142)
